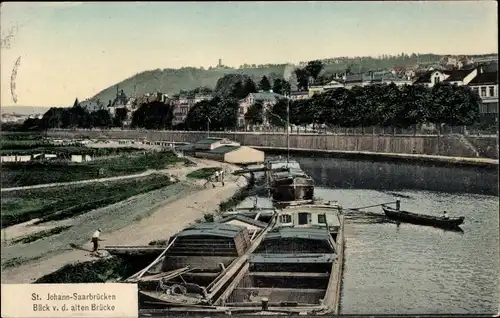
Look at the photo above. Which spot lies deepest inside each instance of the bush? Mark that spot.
(203, 173)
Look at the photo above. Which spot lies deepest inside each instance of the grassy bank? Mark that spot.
(202, 173)
(32, 172)
(99, 271)
(51, 204)
(17, 261)
(40, 235)
(26, 149)
(236, 199)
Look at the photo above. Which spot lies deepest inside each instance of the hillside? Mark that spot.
(171, 81)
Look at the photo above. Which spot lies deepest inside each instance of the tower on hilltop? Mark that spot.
(220, 63)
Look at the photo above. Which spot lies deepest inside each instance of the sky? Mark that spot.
(76, 49)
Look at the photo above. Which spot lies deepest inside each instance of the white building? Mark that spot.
(268, 99)
(486, 85)
(458, 77)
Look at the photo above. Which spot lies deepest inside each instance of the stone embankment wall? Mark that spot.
(445, 145)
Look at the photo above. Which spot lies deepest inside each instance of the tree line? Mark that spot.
(373, 105)
(377, 105)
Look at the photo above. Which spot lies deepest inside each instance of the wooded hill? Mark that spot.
(172, 81)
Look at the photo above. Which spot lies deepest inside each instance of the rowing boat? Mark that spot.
(422, 219)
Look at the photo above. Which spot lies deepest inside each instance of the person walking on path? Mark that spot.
(221, 174)
(95, 240)
(217, 176)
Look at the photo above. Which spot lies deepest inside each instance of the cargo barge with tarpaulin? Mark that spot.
(197, 263)
(296, 268)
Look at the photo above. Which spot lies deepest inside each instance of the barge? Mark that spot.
(197, 263)
(290, 185)
(297, 268)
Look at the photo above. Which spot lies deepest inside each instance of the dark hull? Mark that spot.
(422, 219)
(289, 192)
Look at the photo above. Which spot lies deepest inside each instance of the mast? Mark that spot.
(288, 129)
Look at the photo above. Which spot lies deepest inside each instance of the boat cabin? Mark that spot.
(282, 163)
(317, 216)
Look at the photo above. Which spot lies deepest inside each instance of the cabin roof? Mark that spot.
(208, 140)
(244, 219)
(299, 232)
(295, 258)
(224, 149)
(212, 229)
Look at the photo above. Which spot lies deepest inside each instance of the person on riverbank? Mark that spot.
(445, 215)
(95, 240)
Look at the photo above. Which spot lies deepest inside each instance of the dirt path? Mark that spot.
(167, 219)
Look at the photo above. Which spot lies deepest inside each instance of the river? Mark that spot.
(410, 269)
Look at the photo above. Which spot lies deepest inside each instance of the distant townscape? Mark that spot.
(455, 91)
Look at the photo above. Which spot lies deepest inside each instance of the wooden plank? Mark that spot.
(239, 262)
(331, 300)
(139, 274)
(234, 283)
(221, 244)
(200, 274)
(289, 274)
(302, 290)
(167, 275)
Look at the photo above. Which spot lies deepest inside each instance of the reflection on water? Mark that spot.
(412, 269)
(350, 174)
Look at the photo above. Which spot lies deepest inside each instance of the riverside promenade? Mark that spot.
(449, 149)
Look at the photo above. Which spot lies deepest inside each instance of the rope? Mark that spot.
(372, 206)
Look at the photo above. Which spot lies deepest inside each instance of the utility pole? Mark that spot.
(288, 129)
(208, 127)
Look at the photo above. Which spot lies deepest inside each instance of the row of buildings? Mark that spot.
(483, 81)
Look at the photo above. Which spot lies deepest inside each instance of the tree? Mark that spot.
(276, 115)
(463, 108)
(238, 91)
(441, 95)
(222, 113)
(154, 115)
(120, 116)
(313, 68)
(302, 78)
(249, 87)
(278, 86)
(101, 119)
(264, 84)
(76, 103)
(255, 115)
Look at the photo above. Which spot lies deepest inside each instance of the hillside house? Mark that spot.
(299, 95)
(92, 106)
(485, 84)
(458, 77)
(183, 104)
(268, 99)
(318, 89)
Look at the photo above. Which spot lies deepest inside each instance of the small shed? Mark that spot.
(233, 154)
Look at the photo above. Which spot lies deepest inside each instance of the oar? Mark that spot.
(371, 206)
